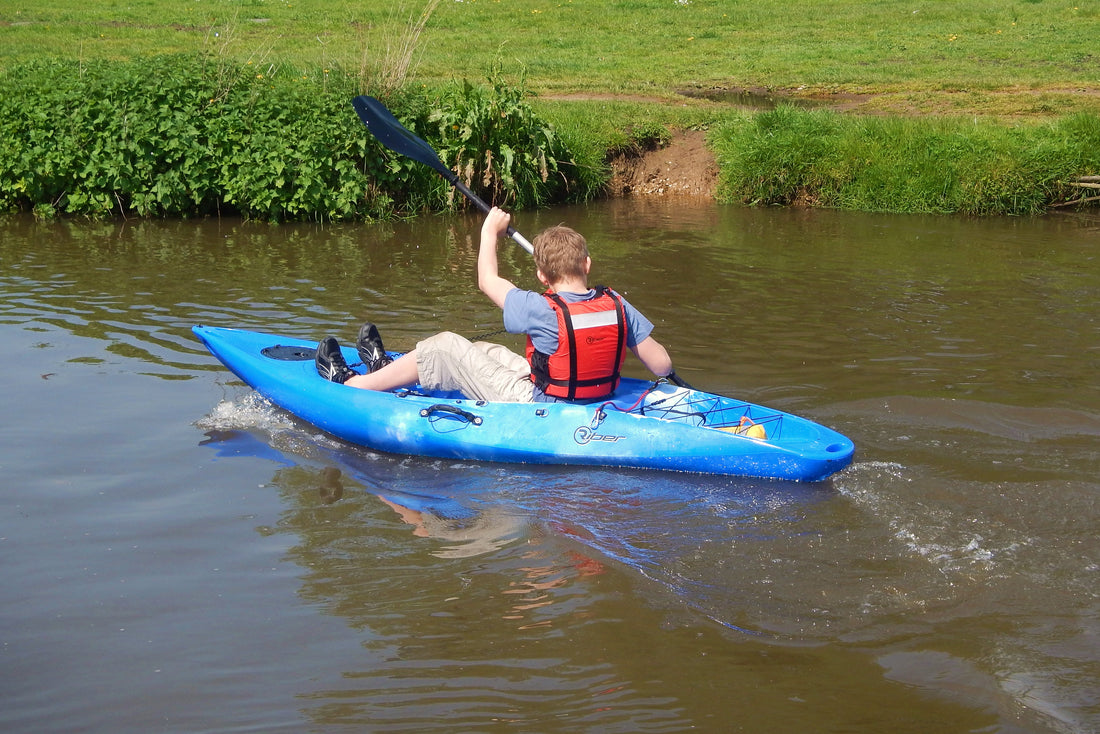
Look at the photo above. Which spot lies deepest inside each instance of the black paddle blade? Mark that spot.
(395, 136)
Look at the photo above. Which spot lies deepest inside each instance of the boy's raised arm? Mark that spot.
(488, 277)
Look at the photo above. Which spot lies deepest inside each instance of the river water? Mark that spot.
(176, 555)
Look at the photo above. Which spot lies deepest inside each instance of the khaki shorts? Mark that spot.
(479, 370)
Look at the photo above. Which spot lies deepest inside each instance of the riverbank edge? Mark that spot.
(795, 154)
(684, 164)
(779, 149)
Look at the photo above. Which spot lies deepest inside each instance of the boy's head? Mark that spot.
(560, 253)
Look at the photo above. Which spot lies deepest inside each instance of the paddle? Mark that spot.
(395, 136)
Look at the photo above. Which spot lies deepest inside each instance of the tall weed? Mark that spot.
(387, 71)
(496, 144)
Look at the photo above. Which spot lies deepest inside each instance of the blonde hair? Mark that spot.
(560, 252)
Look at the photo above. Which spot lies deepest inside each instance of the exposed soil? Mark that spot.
(685, 167)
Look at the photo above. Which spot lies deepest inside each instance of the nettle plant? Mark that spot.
(496, 144)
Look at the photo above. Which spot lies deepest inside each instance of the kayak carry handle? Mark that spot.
(443, 408)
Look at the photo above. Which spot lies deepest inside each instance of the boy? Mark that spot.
(575, 335)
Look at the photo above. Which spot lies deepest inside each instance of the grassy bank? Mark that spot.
(915, 165)
(980, 107)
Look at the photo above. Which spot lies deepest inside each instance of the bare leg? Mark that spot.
(401, 372)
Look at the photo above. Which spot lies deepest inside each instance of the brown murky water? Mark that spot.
(179, 556)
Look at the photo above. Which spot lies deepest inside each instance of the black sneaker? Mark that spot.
(371, 351)
(330, 362)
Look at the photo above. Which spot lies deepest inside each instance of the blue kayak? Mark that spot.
(643, 425)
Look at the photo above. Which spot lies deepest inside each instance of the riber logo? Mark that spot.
(585, 434)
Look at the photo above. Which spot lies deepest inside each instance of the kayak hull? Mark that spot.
(641, 425)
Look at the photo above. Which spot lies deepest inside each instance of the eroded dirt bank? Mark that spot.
(685, 167)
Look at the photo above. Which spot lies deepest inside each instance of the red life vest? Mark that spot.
(598, 327)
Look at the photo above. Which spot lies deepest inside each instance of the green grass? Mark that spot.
(916, 165)
(984, 56)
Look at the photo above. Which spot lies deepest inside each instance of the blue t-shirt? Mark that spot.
(527, 312)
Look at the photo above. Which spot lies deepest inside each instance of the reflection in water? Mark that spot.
(496, 637)
(465, 510)
(485, 532)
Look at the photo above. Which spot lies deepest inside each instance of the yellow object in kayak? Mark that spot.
(746, 428)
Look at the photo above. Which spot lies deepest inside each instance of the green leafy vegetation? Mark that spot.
(196, 138)
(492, 137)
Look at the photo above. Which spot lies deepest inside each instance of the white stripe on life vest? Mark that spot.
(594, 319)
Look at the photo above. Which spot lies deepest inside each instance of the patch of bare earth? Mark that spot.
(684, 167)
